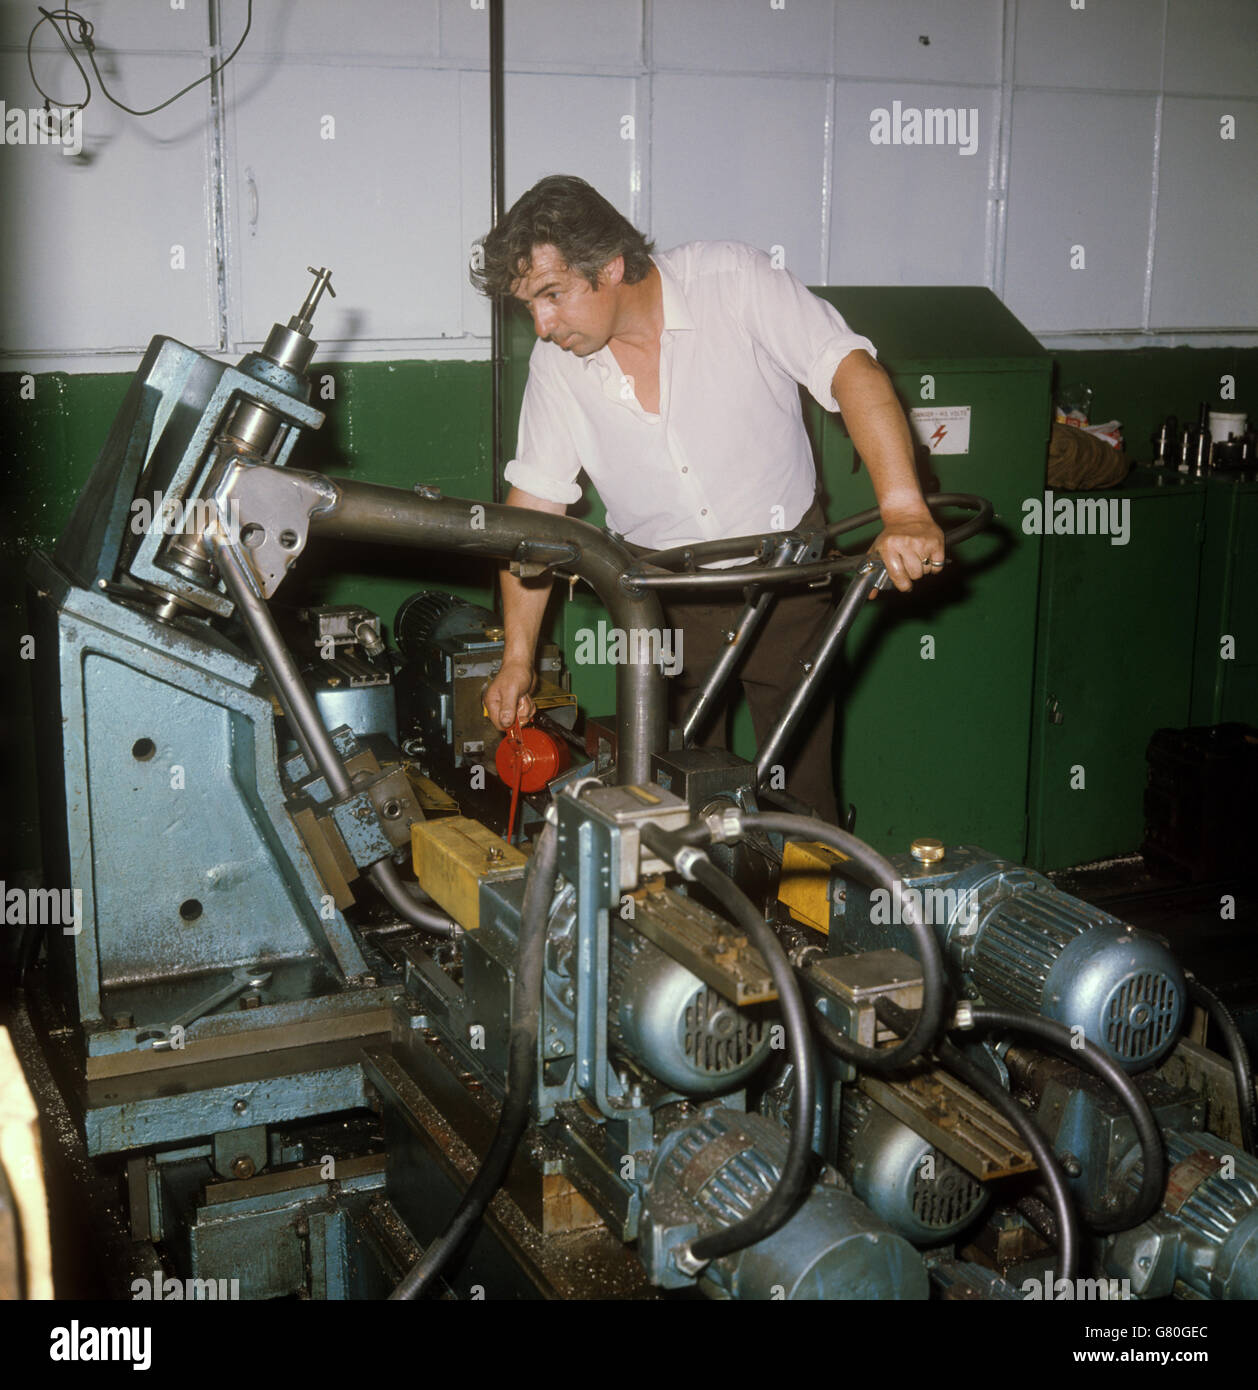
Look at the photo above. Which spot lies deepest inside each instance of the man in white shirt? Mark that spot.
(672, 382)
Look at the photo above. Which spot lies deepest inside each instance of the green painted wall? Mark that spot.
(51, 427)
(934, 687)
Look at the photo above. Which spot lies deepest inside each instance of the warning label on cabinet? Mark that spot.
(944, 429)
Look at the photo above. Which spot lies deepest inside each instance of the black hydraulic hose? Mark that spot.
(542, 720)
(1206, 999)
(870, 865)
(796, 1176)
(996, 1096)
(526, 1005)
(792, 804)
(1153, 1180)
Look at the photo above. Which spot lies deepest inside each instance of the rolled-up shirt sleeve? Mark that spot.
(807, 337)
(546, 462)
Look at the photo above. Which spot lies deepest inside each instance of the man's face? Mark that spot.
(565, 309)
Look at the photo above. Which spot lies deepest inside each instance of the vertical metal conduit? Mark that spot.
(497, 183)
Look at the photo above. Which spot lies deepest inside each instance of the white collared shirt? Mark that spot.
(728, 454)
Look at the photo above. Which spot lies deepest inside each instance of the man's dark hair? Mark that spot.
(562, 211)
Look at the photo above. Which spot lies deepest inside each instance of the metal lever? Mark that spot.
(789, 551)
(242, 979)
(871, 576)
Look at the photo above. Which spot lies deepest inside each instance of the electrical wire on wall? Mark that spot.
(82, 34)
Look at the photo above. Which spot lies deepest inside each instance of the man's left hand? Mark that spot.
(910, 549)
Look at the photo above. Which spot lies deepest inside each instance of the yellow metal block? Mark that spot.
(452, 856)
(548, 695)
(431, 799)
(804, 886)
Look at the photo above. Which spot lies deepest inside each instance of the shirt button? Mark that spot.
(703, 511)
(685, 469)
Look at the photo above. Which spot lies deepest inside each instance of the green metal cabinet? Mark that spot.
(932, 736)
(1117, 627)
(1225, 675)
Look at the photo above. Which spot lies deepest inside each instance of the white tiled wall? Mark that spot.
(1203, 270)
(1101, 125)
(694, 35)
(911, 214)
(749, 139)
(1080, 181)
(99, 250)
(357, 196)
(920, 40)
(1212, 46)
(1108, 46)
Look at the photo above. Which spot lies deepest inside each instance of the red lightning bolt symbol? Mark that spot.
(938, 435)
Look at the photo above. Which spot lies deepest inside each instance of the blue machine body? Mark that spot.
(163, 801)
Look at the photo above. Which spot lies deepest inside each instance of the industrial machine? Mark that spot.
(616, 1018)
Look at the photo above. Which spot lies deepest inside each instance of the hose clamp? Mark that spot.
(687, 857)
(964, 1015)
(684, 1259)
(725, 825)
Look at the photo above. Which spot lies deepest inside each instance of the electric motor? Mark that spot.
(901, 1176)
(712, 1173)
(1024, 943)
(680, 1029)
(660, 1015)
(1206, 1233)
(1012, 938)
(452, 650)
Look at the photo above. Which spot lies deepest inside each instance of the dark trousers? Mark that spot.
(770, 669)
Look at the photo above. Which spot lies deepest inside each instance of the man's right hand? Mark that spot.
(523, 608)
(507, 695)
